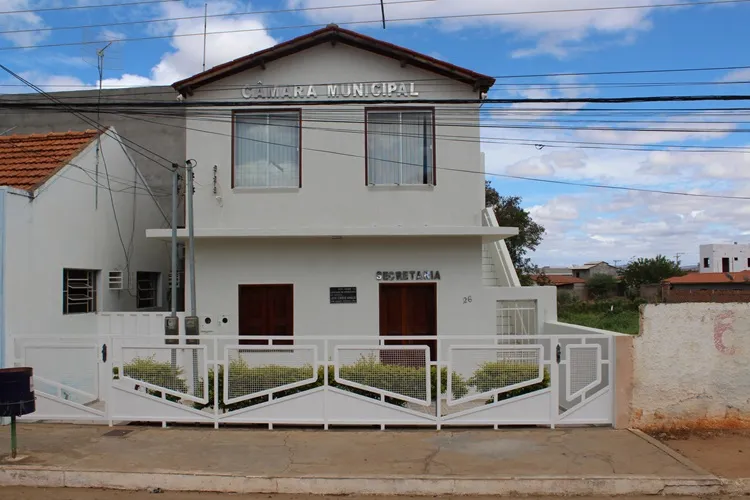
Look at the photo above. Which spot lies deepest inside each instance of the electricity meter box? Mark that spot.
(172, 328)
(192, 329)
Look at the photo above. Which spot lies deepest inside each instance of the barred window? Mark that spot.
(79, 291)
(147, 290)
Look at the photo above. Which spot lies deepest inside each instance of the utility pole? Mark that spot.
(191, 322)
(677, 257)
(616, 261)
(171, 323)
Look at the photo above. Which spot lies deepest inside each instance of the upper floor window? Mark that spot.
(267, 149)
(400, 146)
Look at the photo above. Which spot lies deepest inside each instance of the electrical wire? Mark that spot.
(224, 118)
(378, 21)
(98, 126)
(531, 179)
(437, 102)
(209, 16)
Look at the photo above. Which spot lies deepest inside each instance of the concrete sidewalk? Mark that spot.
(580, 461)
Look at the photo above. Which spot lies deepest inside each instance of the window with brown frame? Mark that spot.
(400, 147)
(267, 149)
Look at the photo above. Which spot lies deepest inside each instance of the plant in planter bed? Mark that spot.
(369, 371)
(154, 372)
(497, 374)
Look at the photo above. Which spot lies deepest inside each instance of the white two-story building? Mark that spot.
(339, 207)
(365, 217)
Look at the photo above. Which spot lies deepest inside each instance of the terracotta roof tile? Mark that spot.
(26, 161)
(709, 278)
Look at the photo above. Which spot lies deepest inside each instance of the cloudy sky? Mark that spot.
(699, 147)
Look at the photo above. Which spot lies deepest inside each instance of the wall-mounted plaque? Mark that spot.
(343, 294)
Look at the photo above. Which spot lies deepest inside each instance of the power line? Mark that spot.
(93, 6)
(342, 102)
(187, 18)
(223, 118)
(378, 21)
(101, 128)
(487, 139)
(531, 179)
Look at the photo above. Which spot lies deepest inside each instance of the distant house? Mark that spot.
(708, 287)
(724, 258)
(591, 268)
(564, 284)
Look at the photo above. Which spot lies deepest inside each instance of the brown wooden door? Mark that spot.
(266, 310)
(409, 309)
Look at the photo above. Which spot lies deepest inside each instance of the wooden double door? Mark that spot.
(266, 310)
(409, 309)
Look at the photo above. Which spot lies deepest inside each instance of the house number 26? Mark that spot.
(467, 300)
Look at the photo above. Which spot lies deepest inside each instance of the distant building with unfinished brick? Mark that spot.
(708, 287)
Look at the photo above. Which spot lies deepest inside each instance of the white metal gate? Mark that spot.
(487, 380)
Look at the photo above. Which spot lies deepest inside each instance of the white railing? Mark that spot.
(503, 264)
(330, 380)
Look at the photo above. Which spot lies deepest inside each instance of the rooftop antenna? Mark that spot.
(100, 68)
(382, 12)
(205, 25)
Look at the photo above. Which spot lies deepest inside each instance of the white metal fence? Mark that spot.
(325, 380)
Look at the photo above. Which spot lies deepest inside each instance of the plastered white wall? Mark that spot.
(314, 265)
(333, 192)
(691, 366)
(61, 228)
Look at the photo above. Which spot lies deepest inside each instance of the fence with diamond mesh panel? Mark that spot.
(265, 370)
(175, 373)
(401, 372)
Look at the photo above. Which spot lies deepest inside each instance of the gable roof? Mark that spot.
(333, 33)
(27, 161)
(740, 277)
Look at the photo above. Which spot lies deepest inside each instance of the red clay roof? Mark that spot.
(558, 279)
(333, 33)
(710, 278)
(27, 161)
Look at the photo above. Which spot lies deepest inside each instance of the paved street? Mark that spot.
(81, 494)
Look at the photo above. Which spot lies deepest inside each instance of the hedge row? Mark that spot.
(368, 371)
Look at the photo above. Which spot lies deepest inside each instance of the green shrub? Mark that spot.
(366, 371)
(161, 374)
(497, 374)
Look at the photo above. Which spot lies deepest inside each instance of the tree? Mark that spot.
(601, 285)
(644, 271)
(509, 213)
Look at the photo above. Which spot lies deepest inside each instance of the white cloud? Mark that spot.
(738, 75)
(557, 209)
(249, 35)
(553, 33)
(21, 21)
(671, 129)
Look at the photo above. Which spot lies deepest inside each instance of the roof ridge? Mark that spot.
(51, 135)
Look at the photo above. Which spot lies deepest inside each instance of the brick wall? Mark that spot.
(677, 295)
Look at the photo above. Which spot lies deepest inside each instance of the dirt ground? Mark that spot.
(81, 494)
(724, 453)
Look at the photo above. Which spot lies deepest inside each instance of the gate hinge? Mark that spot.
(558, 352)
(104, 353)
